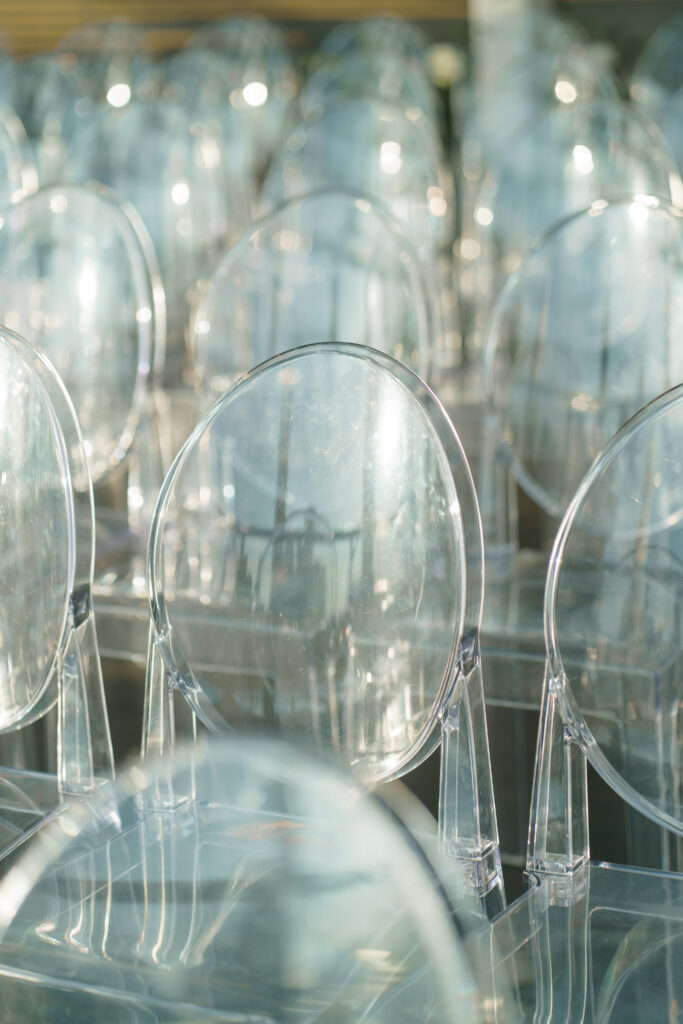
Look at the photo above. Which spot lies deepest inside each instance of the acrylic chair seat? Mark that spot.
(315, 567)
(597, 934)
(227, 884)
(48, 644)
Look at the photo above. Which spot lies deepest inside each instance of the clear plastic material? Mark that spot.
(560, 163)
(377, 75)
(610, 955)
(315, 567)
(658, 72)
(108, 60)
(380, 57)
(385, 35)
(75, 281)
(279, 891)
(596, 942)
(48, 647)
(377, 149)
(328, 265)
(583, 335)
(203, 81)
(172, 172)
(45, 97)
(262, 75)
(613, 635)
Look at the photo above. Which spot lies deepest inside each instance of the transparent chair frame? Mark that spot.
(467, 819)
(141, 443)
(73, 676)
(558, 845)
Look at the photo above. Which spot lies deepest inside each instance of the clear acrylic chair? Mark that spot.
(598, 942)
(48, 644)
(276, 891)
(264, 81)
(78, 278)
(172, 172)
(315, 566)
(560, 163)
(380, 57)
(44, 97)
(581, 337)
(378, 149)
(202, 80)
(331, 264)
(496, 107)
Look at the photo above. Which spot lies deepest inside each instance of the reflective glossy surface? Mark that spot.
(74, 281)
(37, 540)
(610, 955)
(278, 892)
(559, 164)
(328, 267)
(172, 172)
(584, 335)
(611, 600)
(262, 75)
(373, 148)
(307, 564)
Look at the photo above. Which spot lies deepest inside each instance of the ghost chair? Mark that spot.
(560, 163)
(284, 892)
(48, 644)
(594, 941)
(315, 567)
(184, 195)
(330, 265)
(79, 280)
(581, 337)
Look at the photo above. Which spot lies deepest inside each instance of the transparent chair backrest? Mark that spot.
(296, 894)
(75, 279)
(264, 80)
(376, 149)
(203, 81)
(658, 73)
(514, 95)
(613, 630)
(331, 265)
(385, 34)
(315, 567)
(559, 164)
(382, 57)
(379, 75)
(108, 60)
(48, 646)
(45, 95)
(171, 171)
(585, 333)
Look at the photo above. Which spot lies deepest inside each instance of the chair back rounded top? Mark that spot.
(584, 334)
(613, 611)
(316, 560)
